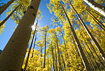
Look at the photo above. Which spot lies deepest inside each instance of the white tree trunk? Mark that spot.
(99, 8)
(82, 55)
(6, 6)
(12, 57)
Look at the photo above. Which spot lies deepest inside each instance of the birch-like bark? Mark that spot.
(96, 20)
(4, 7)
(99, 59)
(91, 54)
(99, 8)
(89, 33)
(83, 57)
(12, 57)
(88, 56)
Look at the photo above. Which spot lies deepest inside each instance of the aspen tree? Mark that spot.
(84, 59)
(99, 8)
(8, 16)
(89, 33)
(45, 29)
(13, 54)
(53, 57)
(96, 20)
(60, 68)
(45, 50)
(4, 7)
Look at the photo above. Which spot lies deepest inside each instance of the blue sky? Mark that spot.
(10, 24)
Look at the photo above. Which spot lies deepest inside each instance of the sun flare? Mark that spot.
(33, 27)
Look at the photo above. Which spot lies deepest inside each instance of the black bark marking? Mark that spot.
(21, 69)
(31, 7)
(11, 70)
(24, 12)
(12, 41)
(34, 15)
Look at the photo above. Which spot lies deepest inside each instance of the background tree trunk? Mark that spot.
(96, 20)
(99, 8)
(4, 7)
(9, 16)
(89, 33)
(60, 68)
(53, 57)
(30, 48)
(83, 57)
(45, 50)
(56, 59)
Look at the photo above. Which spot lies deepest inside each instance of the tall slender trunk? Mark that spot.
(66, 55)
(99, 8)
(35, 38)
(75, 47)
(63, 60)
(89, 33)
(33, 47)
(64, 40)
(64, 51)
(56, 59)
(13, 54)
(83, 57)
(60, 67)
(53, 58)
(30, 49)
(48, 63)
(45, 50)
(98, 14)
(8, 16)
(41, 57)
(96, 20)
(90, 52)
(4, 7)
(99, 59)
(88, 57)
